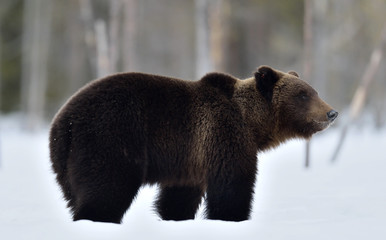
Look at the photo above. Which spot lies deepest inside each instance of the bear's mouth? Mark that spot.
(322, 124)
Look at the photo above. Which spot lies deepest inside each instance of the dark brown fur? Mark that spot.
(190, 137)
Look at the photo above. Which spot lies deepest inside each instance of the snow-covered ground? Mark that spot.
(345, 200)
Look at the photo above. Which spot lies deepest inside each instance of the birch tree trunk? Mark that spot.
(130, 29)
(76, 62)
(320, 46)
(36, 41)
(87, 17)
(307, 61)
(103, 63)
(217, 18)
(203, 60)
(0, 92)
(115, 7)
(1, 73)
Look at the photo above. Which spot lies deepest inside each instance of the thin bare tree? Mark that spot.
(307, 61)
(203, 59)
(115, 7)
(102, 50)
(1, 61)
(358, 101)
(106, 38)
(218, 30)
(76, 64)
(129, 35)
(36, 42)
(1, 58)
(86, 14)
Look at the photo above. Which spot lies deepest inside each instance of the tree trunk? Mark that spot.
(203, 60)
(1, 58)
(307, 61)
(86, 15)
(103, 63)
(1, 73)
(75, 66)
(36, 41)
(217, 18)
(130, 30)
(115, 7)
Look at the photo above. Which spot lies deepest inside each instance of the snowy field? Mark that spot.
(345, 200)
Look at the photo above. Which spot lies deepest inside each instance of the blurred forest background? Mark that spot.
(50, 48)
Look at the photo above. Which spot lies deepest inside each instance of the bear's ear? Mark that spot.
(293, 73)
(266, 79)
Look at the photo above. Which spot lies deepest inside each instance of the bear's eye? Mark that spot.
(303, 96)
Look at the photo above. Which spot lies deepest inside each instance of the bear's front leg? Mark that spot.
(179, 202)
(229, 197)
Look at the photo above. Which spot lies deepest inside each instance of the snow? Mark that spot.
(344, 200)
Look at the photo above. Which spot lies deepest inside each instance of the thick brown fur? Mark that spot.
(190, 137)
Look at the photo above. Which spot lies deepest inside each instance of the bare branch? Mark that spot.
(360, 95)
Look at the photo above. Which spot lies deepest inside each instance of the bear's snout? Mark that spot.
(332, 115)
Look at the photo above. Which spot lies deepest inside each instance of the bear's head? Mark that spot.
(298, 110)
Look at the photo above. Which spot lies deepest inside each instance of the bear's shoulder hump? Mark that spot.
(221, 81)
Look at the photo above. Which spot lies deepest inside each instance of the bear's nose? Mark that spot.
(331, 115)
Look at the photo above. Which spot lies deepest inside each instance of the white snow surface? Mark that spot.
(344, 200)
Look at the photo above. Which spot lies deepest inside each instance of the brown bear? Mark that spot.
(192, 138)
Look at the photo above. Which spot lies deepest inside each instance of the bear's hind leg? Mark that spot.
(106, 194)
(178, 202)
(106, 205)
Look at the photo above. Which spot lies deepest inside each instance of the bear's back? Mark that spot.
(135, 93)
